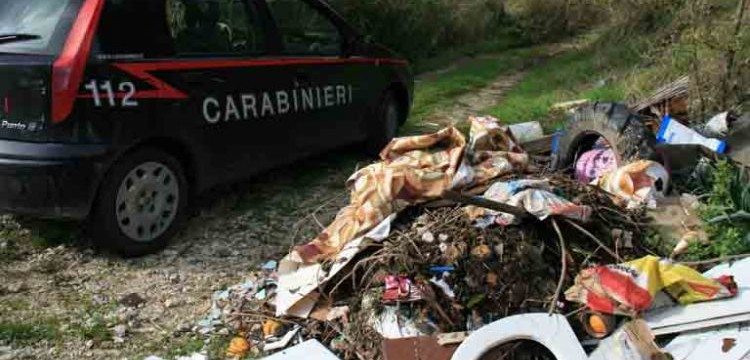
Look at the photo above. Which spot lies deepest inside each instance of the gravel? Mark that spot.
(98, 305)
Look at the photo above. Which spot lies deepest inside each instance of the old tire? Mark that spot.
(625, 132)
(141, 203)
(384, 123)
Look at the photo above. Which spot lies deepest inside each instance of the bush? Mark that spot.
(728, 200)
(700, 38)
(419, 29)
(548, 20)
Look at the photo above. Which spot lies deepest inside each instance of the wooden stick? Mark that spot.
(592, 237)
(487, 204)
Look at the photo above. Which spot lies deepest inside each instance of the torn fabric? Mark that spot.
(414, 170)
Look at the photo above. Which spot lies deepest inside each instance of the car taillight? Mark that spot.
(68, 69)
(6, 106)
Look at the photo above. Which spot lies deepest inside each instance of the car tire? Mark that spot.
(625, 132)
(384, 123)
(141, 204)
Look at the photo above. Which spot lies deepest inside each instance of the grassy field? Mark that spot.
(586, 72)
(435, 91)
(592, 69)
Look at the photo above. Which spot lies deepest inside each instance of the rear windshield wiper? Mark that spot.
(7, 38)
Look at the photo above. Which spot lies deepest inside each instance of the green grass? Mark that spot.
(446, 57)
(17, 333)
(185, 347)
(572, 76)
(94, 323)
(217, 348)
(436, 92)
(569, 77)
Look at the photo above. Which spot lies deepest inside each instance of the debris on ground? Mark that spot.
(669, 99)
(448, 236)
(639, 183)
(673, 132)
(534, 196)
(677, 222)
(569, 105)
(593, 164)
(630, 288)
(311, 349)
(701, 316)
(633, 341)
(719, 125)
(527, 132)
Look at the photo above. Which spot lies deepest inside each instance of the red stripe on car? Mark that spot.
(68, 69)
(162, 90)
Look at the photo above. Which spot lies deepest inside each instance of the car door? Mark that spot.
(312, 41)
(223, 62)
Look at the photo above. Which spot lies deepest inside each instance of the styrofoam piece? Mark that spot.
(633, 341)
(283, 342)
(308, 350)
(718, 125)
(526, 132)
(391, 325)
(551, 331)
(704, 324)
(710, 344)
(707, 314)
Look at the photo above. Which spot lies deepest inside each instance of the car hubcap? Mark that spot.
(147, 201)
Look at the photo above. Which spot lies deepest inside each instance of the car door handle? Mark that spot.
(201, 79)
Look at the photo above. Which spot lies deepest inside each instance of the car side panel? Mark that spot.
(216, 108)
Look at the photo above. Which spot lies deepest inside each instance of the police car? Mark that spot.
(118, 111)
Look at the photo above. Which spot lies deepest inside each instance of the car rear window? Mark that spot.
(35, 26)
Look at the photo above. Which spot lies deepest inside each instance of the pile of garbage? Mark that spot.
(446, 236)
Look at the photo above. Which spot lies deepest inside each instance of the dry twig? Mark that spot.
(592, 237)
(563, 271)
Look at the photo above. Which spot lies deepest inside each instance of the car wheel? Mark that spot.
(623, 131)
(384, 125)
(142, 202)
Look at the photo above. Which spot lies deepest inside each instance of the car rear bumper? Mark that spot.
(49, 180)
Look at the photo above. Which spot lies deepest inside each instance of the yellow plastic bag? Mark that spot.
(630, 288)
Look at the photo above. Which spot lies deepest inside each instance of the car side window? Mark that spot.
(214, 27)
(132, 29)
(303, 29)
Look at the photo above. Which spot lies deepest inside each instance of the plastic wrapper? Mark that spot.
(630, 288)
(595, 163)
(640, 183)
(535, 196)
